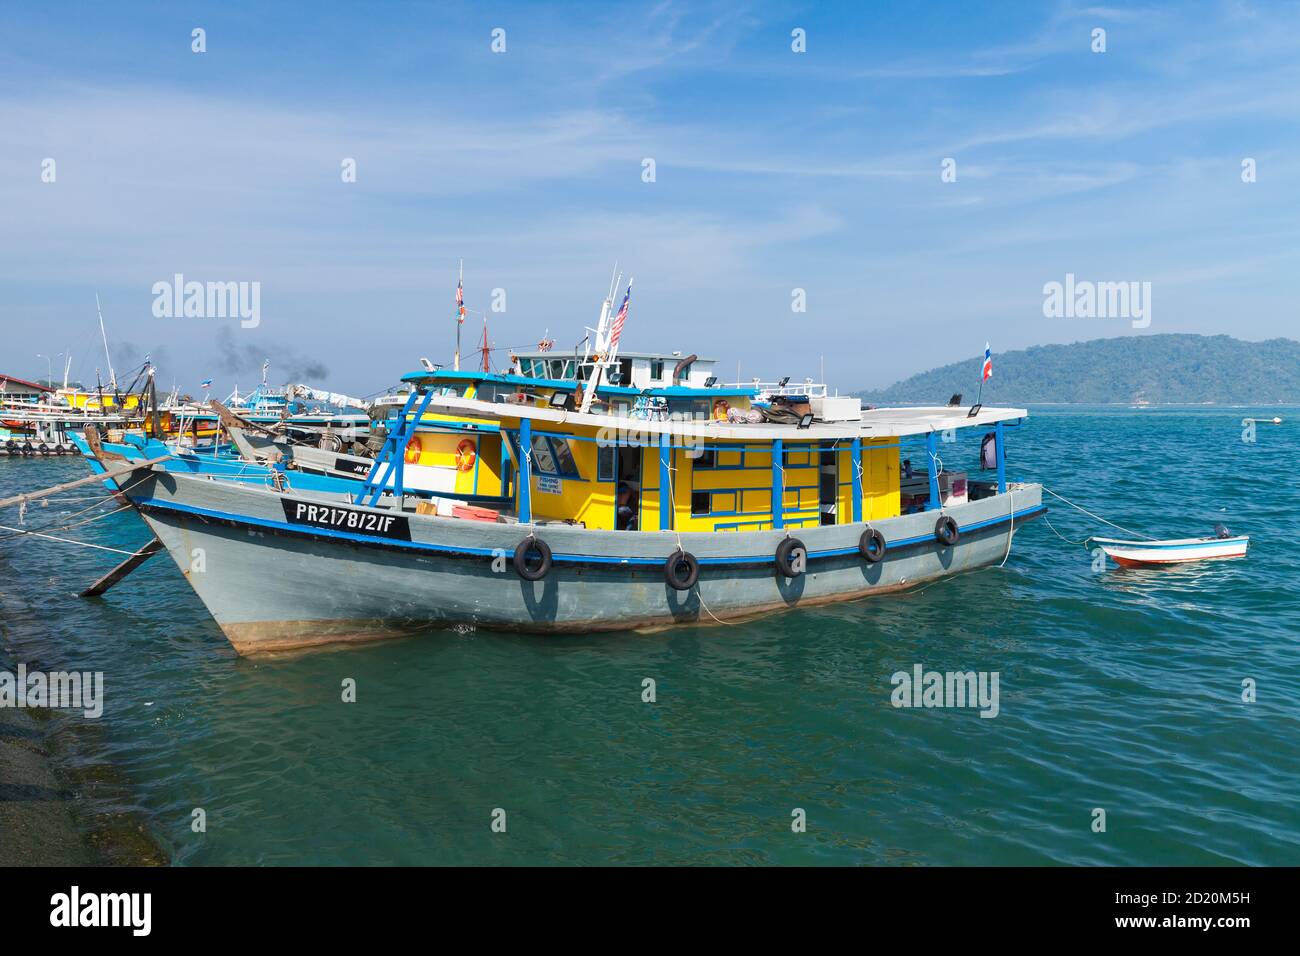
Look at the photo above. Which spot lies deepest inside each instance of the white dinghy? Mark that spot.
(1131, 554)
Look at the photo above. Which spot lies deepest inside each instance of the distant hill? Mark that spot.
(1159, 369)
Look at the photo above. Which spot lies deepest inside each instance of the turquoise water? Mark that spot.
(1119, 690)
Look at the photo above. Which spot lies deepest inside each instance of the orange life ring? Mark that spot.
(413, 449)
(720, 409)
(465, 455)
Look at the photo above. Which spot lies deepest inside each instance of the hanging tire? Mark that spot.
(946, 530)
(791, 558)
(871, 545)
(681, 570)
(538, 570)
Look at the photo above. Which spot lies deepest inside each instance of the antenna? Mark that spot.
(112, 377)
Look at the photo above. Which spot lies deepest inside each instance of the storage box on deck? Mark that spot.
(443, 507)
(837, 408)
(952, 487)
(474, 513)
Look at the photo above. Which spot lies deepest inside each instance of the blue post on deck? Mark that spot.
(932, 454)
(778, 485)
(665, 482)
(856, 465)
(525, 470)
(1002, 459)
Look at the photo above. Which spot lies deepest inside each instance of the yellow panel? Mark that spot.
(729, 459)
(757, 501)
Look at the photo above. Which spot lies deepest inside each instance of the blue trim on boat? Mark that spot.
(147, 504)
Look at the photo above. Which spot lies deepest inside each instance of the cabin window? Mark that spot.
(656, 370)
(625, 371)
(543, 459)
(699, 502)
(707, 460)
(606, 463)
(553, 456)
(564, 456)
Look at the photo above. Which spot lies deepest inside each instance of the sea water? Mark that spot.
(1165, 699)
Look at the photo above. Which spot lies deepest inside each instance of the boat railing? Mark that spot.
(771, 389)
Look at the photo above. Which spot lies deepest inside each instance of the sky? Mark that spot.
(774, 170)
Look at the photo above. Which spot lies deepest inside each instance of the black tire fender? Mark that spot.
(791, 558)
(946, 531)
(520, 560)
(871, 546)
(681, 570)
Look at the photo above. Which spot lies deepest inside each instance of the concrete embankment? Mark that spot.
(37, 826)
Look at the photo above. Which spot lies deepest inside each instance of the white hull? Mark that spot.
(1144, 553)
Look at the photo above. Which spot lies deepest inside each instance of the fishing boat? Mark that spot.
(1136, 554)
(587, 496)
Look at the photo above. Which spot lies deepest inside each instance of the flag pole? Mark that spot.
(460, 316)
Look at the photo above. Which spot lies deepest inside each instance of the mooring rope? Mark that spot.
(1091, 515)
(51, 537)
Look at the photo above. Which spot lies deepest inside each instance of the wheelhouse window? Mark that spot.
(543, 458)
(707, 460)
(552, 455)
(656, 370)
(700, 503)
(606, 463)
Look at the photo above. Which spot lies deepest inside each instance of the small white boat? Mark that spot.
(1133, 554)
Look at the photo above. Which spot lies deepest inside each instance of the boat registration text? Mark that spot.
(347, 519)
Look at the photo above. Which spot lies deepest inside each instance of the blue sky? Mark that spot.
(775, 170)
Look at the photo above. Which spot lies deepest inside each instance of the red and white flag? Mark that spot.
(460, 303)
(617, 331)
(988, 363)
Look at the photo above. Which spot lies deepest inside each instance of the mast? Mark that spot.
(112, 377)
(460, 313)
(601, 346)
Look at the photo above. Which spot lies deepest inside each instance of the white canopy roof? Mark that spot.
(875, 423)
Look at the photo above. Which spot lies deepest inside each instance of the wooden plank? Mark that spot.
(123, 569)
(89, 479)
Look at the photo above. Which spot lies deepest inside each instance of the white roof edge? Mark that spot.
(876, 423)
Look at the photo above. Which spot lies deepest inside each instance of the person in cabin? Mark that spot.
(625, 512)
(907, 468)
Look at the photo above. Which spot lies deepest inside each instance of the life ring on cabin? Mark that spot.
(871, 545)
(681, 570)
(720, 410)
(523, 550)
(413, 449)
(946, 530)
(465, 455)
(791, 558)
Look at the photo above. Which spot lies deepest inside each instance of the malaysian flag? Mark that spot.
(617, 331)
(460, 303)
(988, 363)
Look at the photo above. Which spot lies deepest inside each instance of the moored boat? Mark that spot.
(583, 496)
(1133, 554)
